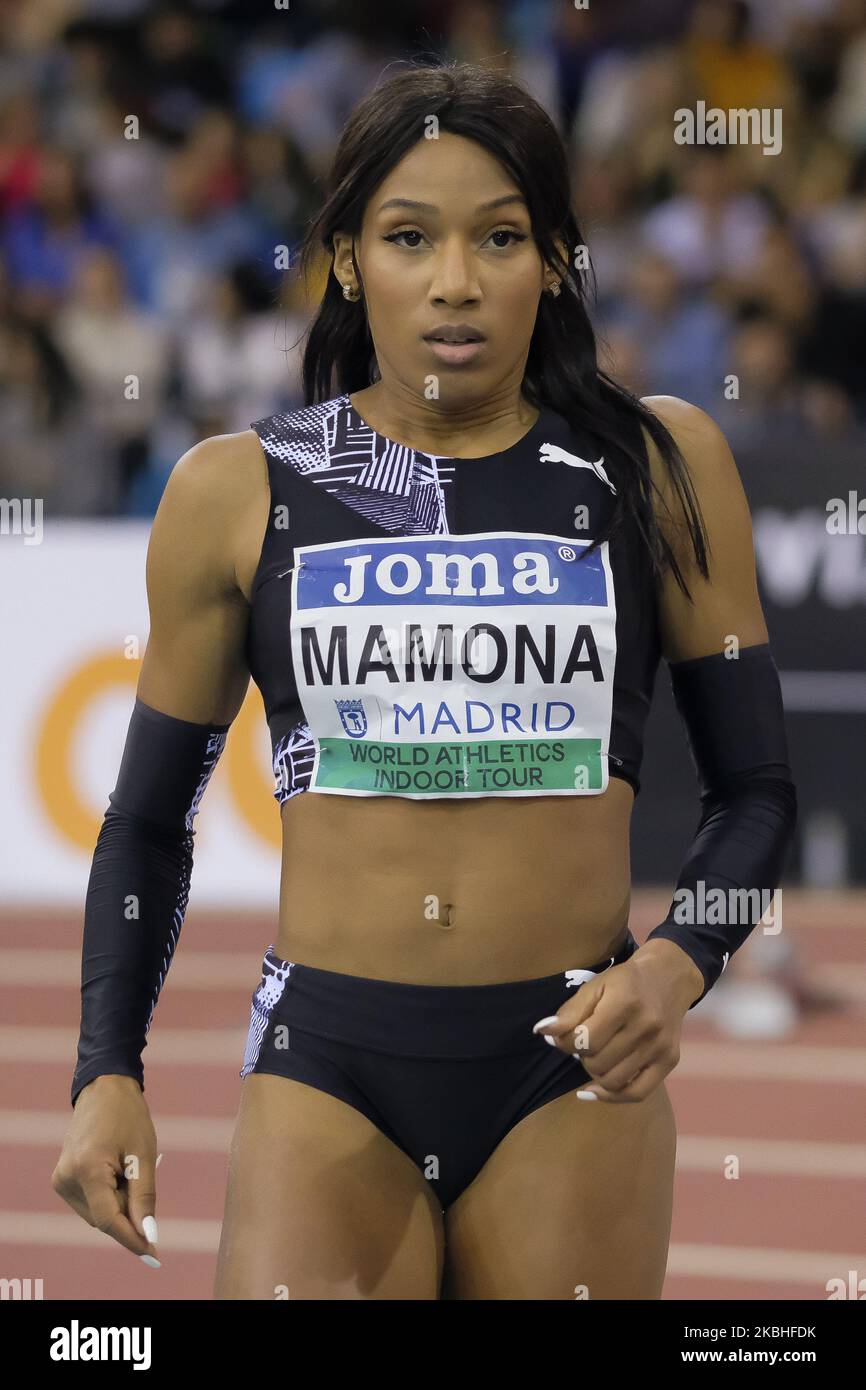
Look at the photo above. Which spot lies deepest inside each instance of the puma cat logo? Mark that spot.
(551, 453)
(576, 978)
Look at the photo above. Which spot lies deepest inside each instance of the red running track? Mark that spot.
(791, 1112)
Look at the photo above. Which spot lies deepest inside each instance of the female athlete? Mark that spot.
(452, 574)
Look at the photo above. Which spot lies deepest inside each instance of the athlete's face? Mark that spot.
(446, 240)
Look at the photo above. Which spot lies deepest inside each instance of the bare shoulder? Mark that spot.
(711, 466)
(194, 665)
(699, 439)
(214, 504)
(218, 471)
(678, 414)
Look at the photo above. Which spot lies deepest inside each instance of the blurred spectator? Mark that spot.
(308, 94)
(183, 70)
(620, 355)
(834, 346)
(19, 151)
(628, 104)
(118, 357)
(282, 190)
(847, 108)
(774, 404)
(780, 280)
(477, 34)
(604, 194)
(235, 359)
(684, 339)
(480, 33)
(52, 448)
(173, 257)
(47, 237)
(126, 169)
(83, 87)
(713, 228)
(732, 68)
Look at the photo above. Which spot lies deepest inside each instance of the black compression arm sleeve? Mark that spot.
(139, 887)
(733, 715)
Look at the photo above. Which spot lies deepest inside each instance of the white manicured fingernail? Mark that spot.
(158, 1160)
(545, 1023)
(148, 1225)
(549, 1039)
(150, 1262)
(586, 1095)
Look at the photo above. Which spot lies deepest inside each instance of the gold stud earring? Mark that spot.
(349, 293)
(554, 288)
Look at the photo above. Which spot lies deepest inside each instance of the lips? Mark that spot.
(455, 334)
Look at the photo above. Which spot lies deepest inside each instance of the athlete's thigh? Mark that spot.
(321, 1205)
(574, 1202)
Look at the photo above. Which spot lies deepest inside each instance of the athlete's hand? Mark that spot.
(628, 1021)
(112, 1135)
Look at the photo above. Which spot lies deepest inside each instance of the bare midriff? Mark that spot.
(443, 892)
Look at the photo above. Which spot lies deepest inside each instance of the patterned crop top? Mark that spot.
(424, 626)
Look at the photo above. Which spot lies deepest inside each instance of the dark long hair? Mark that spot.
(562, 370)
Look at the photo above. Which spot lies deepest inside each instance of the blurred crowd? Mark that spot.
(159, 161)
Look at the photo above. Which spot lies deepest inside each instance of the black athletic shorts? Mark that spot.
(444, 1071)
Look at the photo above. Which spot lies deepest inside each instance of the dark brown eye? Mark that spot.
(393, 236)
(506, 232)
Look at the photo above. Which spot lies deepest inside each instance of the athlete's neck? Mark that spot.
(471, 430)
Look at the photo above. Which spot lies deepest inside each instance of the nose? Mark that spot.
(455, 279)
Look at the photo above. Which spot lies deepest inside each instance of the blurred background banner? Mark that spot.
(75, 615)
(159, 161)
(812, 581)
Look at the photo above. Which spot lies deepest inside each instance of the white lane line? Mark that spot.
(53, 967)
(773, 1062)
(35, 968)
(699, 1153)
(805, 909)
(753, 1262)
(177, 1133)
(220, 1047)
(702, 1153)
(59, 1228)
(216, 1047)
(181, 1236)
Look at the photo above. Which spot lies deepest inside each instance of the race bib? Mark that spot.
(465, 665)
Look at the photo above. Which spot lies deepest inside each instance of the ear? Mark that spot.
(551, 276)
(344, 268)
